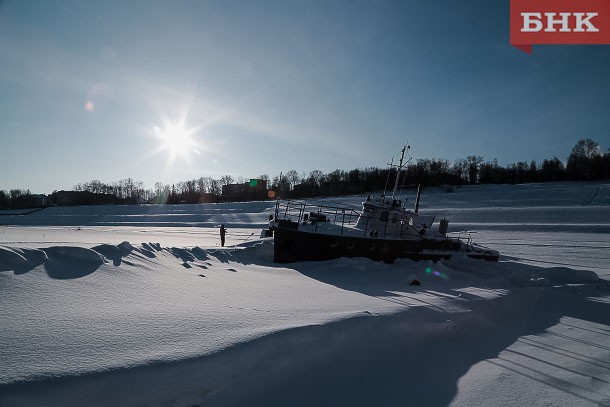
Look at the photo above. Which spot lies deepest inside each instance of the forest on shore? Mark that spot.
(586, 162)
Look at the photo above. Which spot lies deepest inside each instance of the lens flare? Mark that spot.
(437, 273)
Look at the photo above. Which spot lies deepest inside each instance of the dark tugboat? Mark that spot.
(382, 230)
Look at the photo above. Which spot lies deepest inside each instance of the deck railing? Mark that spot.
(342, 215)
(298, 211)
(463, 237)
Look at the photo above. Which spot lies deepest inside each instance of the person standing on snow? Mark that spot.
(223, 232)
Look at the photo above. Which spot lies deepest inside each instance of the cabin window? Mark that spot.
(394, 217)
(384, 216)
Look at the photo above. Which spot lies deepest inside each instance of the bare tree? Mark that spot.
(226, 180)
(16, 193)
(460, 169)
(207, 184)
(581, 160)
(292, 177)
(316, 177)
(215, 187)
(586, 148)
(474, 161)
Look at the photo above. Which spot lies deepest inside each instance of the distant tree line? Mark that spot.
(586, 162)
(130, 191)
(16, 198)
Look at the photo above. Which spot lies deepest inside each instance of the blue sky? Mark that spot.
(95, 90)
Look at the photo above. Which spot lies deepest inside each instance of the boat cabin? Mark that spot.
(388, 218)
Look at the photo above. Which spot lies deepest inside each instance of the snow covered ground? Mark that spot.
(138, 305)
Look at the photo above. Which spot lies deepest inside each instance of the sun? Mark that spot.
(177, 139)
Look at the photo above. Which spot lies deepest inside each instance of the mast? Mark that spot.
(391, 164)
(399, 168)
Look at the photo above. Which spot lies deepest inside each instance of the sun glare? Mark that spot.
(176, 139)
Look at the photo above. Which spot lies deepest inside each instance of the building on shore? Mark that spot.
(253, 190)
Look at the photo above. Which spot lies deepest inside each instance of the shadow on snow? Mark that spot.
(414, 357)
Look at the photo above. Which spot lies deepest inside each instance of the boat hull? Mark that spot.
(292, 245)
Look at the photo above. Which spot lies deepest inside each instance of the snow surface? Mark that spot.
(138, 305)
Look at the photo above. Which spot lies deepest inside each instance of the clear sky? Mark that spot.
(99, 89)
